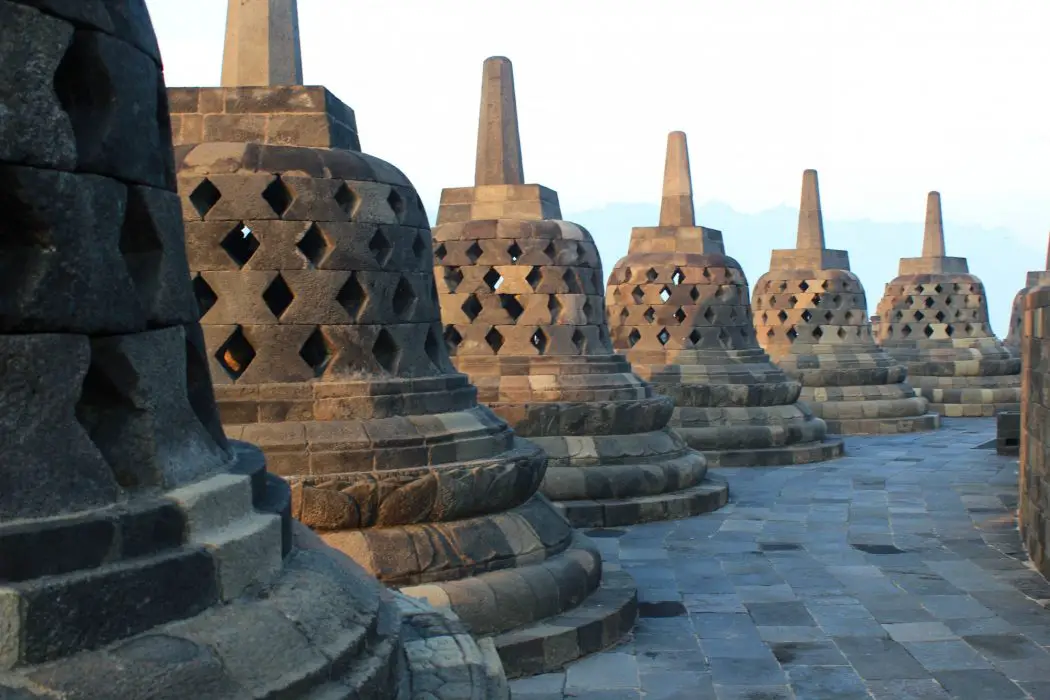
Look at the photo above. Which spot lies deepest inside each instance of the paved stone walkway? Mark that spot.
(895, 573)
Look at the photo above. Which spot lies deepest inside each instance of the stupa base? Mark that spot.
(800, 453)
(709, 495)
(541, 616)
(973, 410)
(883, 426)
(970, 397)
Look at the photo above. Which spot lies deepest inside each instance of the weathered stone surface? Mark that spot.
(1034, 512)
(262, 43)
(810, 315)
(933, 318)
(523, 306)
(678, 309)
(1035, 278)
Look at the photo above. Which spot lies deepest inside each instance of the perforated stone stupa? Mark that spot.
(811, 316)
(521, 297)
(1035, 278)
(142, 555)
(679, 310)
(934, 319)
(314, 272)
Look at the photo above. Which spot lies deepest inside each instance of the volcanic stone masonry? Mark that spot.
(1034, 512)
(678, 309)
(142, 555)
(521, 297)
(934, 319)
(811, 316)
(314, 272)
(1035, 278)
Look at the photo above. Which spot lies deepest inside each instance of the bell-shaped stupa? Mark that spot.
(522, 299)
(1036, 278)
(314, 272)
(811, 316)
(679, 310)
(142, 554)
(933, 317)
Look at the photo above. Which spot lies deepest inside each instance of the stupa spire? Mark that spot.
(676, 208)
(262, 44)
(499, 143)
(810, 220)
(933, 236)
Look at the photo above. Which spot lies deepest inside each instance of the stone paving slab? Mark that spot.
(894, 573)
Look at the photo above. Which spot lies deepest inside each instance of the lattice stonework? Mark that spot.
(936, 309)
(831, 308)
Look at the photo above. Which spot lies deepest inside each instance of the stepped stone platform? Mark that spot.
(143, 556)
(678, 309)
(1035, 278)
(313, 270)
(522, 300)
(934, 319)
(810, 315)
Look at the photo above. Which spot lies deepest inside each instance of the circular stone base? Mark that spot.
(883, 426)
(803, 453)
(710, 495)
(973, 410)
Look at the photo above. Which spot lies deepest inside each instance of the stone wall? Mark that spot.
(1035, 434)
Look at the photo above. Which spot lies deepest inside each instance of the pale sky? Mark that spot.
(886, 98)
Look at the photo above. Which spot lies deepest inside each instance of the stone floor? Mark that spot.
(894, 573)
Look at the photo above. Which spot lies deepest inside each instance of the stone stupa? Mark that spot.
(143, 554)
(314, 272)
(1035, 278)
(811, 316)
(522, 299)
(934, 319)
(679, 310)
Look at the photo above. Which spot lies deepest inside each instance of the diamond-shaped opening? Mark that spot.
(824, 285)
(554, 306)
(452, 338)
(386, 351)
(818, 333)
(841, 332)
(650, 314)
(677, 277)
(472, 307)
(707, 274)
(313, 245)
(474, 252)
(579, 340)
(551, 251)
(949, 329)
(694, 294)
(381, 247)
(709, 314)
(782, 316)
(816, 300)
(587, 310)
(651, 275)
(898, 315)
(440, 252)
(695, 337)
(948, 300)
(718, 292)
(806, 315)
(836, 299)
(432, 347)
(346, 199)
(849, 316)
(772, 301)
(624, 314)
(968, 328)
(634, 337)
(397, 204)
(770, 333)
(679, 315)
(828, 316)
(453, 276)
(534, 276)
(316, 352)
(235, 354)
(918, 289)
(419, 246)
(940, 316)
(928, 331)
(514, 251)
(905, 330)
(571, 283)
(918, 315)
(782, 287)
(663, 336)
(803, 285)
(404, 300)
(204, 197)
(638, 295)
(206, 296)
(510, 304)
(792, 301)
(958, 313)
(792, 333)
(278, 196)
(765, 317)
(493, 279)
(665, 294)
(929, 302)
(494, 339)
(627, 274)
(278, 296)
(539, 340)
(351, 296)
(938, 288)
(909, 301)
(240, 244)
